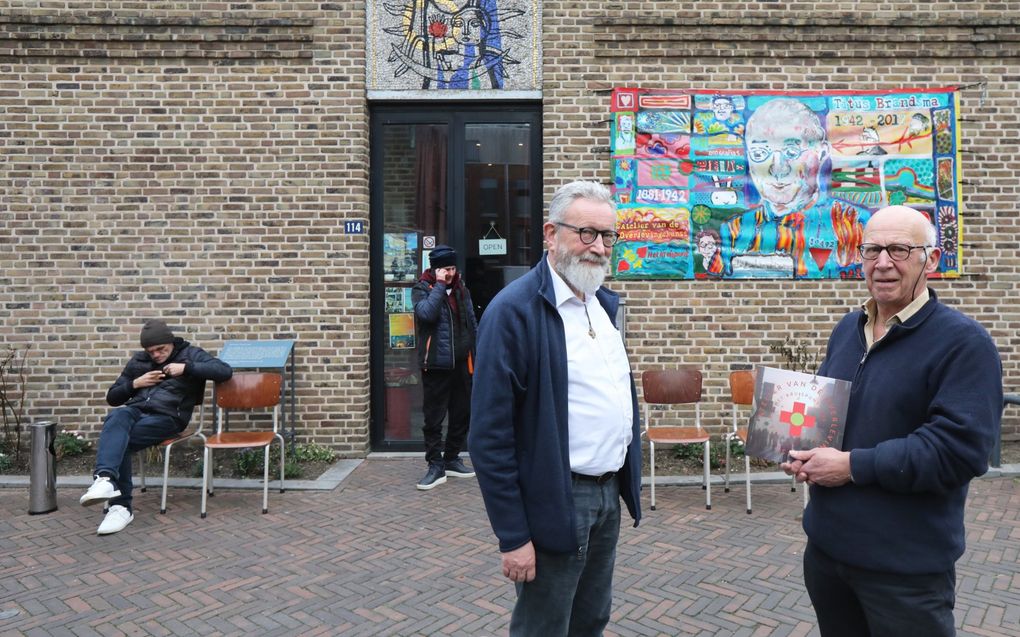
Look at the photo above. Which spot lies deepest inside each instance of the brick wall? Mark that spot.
(196, 160)
(591, 47)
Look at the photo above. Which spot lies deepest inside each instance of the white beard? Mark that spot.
(585, 273)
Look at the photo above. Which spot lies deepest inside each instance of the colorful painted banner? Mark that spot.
(767, 185)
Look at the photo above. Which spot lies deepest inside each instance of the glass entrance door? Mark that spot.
(466, 177)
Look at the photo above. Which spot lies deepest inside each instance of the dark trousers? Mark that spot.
(856, 602)
(572, 593)
(125, 431)
(446, 391)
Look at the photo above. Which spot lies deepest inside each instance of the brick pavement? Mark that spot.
(377, 557)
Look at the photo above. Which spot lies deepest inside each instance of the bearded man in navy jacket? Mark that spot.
(554, 432)
(885, 521)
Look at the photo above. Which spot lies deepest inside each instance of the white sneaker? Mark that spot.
(100, 491)
(118, 518)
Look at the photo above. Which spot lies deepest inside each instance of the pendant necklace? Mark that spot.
(591, 330)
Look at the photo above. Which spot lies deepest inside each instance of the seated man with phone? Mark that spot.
(155, 395)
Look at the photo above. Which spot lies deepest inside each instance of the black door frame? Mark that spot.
(456, 115)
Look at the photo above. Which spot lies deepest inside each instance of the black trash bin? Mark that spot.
(42, 468)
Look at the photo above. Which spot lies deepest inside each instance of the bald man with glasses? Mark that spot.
(885, 520)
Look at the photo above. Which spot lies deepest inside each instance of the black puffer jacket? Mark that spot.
(445, 337)
(175, 397)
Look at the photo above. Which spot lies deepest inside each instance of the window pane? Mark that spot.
(414, 206)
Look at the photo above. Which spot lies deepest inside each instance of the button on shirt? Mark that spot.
(599, 408)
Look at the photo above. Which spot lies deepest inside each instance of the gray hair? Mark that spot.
(568, 193)
(785, 109)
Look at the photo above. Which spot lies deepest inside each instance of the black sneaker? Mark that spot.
(457, 469)
(435, 477)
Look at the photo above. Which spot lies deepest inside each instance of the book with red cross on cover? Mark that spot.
(792, 410)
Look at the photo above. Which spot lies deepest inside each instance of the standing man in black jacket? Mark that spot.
(447, 327)
(158, 389)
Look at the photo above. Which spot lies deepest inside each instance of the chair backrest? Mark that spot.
(742, 387)
(671, 386)
(741, 393)
(249, 390)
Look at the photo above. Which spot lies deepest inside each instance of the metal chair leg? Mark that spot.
(141, 467)
(651, 454)
(283, 451)
(726, 441)
(166, 476)
(708, 483)
(747, 479)
(206, 468)
(265, 480)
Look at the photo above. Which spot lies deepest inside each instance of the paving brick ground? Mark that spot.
(377, 557)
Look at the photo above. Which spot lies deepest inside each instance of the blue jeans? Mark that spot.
(572, 593)
(857, 602)
(126, 430)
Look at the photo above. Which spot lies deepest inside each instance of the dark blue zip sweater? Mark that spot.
(924, 412)
(519, 439)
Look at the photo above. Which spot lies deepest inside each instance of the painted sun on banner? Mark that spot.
(773, 185)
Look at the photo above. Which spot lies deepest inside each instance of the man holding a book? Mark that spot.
(885, 521)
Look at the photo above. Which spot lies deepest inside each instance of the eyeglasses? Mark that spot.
(896, 251)
(789, 152)
(588, 235)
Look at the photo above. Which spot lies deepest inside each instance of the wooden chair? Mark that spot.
(167, 445)
(742, 395)
(675, 387)
(245, 390)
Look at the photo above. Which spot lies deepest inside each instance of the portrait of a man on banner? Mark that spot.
(796, 230)
(776, 185)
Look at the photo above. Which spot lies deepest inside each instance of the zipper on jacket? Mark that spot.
(860, 367)
(867, 352)
(453, 338)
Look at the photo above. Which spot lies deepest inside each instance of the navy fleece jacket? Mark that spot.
(924, 412)
(519, 440)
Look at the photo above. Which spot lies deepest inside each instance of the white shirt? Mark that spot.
(599, 409)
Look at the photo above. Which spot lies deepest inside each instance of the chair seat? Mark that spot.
(240, 439)
(677, 435)
(740, 434)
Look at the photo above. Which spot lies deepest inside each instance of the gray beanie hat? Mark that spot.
(156, 332)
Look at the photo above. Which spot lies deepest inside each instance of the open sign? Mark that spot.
(491, 247)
